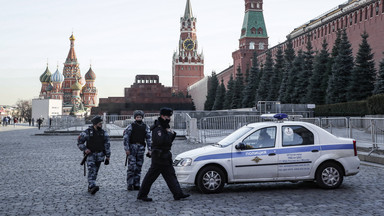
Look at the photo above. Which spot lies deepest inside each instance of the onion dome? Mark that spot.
(76, 86)
(46, 76)
(57, 77)
(72, 37)
(49, 87)
(90, 75)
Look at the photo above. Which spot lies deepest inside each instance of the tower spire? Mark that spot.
(188, 10)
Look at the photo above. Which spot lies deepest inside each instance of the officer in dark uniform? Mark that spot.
(97, 148)
(162, 138)
(136, 136)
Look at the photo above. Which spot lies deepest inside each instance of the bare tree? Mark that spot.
(24, 108)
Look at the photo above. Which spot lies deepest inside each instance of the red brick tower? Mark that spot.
(71, 73)
(187, 64)
(253, 36)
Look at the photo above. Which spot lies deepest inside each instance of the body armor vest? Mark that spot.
(138, 133)
(96, 141)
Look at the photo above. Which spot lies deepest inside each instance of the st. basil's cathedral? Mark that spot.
(77, 93)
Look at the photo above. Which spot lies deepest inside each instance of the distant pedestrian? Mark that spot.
(29, 121)
(136, 136)
(39, 122)
(15, 120)
(97, 148)
(162, 138)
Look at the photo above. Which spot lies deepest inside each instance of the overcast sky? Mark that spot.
(124, 38)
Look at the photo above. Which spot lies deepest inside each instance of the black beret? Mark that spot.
(96, 120)
(166, 111)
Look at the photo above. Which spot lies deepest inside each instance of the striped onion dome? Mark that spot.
(76, 86)
(57, 77)
(90, 75)
(46, 76)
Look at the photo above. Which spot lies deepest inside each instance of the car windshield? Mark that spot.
(234, 136)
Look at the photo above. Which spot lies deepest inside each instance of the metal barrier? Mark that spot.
(223, 125)
(65, 123)
(368, 131)
(337, 126)
(315, 121)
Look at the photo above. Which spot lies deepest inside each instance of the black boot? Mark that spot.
(130, 187)
(181, 196)
(136, 187)
(93, 189)
(145, 199)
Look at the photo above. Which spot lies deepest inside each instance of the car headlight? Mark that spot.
(185, 162)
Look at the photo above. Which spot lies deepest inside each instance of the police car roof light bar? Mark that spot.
(280, 116)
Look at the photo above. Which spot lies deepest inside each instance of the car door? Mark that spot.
(298, 151)
(258, 160)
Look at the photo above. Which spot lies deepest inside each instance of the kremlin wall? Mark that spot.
(189, 87)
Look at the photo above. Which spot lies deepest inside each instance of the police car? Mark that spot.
(270, 152)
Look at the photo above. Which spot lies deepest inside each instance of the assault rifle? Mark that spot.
(126, 160)
(82, 163)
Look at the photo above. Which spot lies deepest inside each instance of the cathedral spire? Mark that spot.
(188, 10)
(72, 55)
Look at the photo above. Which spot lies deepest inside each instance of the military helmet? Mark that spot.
(95, 120)
(138, 112)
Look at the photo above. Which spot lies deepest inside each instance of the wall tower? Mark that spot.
(187, 64)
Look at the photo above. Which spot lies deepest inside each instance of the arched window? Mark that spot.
(371, 11)
(253, 30)
(258, 5)
(377, 9)
(361, 15)
(260, 31)
(366, 12)
(252, 45)
(355, 17)
(261, 46)
(350, 20)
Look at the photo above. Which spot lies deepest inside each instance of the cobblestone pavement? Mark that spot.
(42, 176)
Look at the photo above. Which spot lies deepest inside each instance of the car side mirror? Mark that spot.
(240, 146)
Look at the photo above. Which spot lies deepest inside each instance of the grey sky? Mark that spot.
(123, 38)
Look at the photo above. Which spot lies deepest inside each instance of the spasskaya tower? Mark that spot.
(187, 64)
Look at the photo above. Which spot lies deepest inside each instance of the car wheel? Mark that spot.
(329, 176)
(210, 179)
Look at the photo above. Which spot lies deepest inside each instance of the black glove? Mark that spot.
(148, 155)
(106, 162)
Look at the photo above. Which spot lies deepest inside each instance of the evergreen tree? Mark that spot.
(246, 75)
(317, 91)
(213, 83)
(379, 84)
(364, 73)
(289, 57)
(220, 97)
(276, 77)
(342, 65)
(306, 73)
(250, 88)
(263, 88)
(293, 86)
(229, 93)
(341, 71)
(237, 97)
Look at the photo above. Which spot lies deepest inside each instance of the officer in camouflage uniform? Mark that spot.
(136, 136)
(97, 148)
(162, 138)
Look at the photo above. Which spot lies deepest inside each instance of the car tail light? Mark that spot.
(354, 147)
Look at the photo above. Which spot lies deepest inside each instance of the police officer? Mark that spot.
(136, 136)
(162, 138)
(97, 148)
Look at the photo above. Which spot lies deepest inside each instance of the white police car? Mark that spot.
(267, 152)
